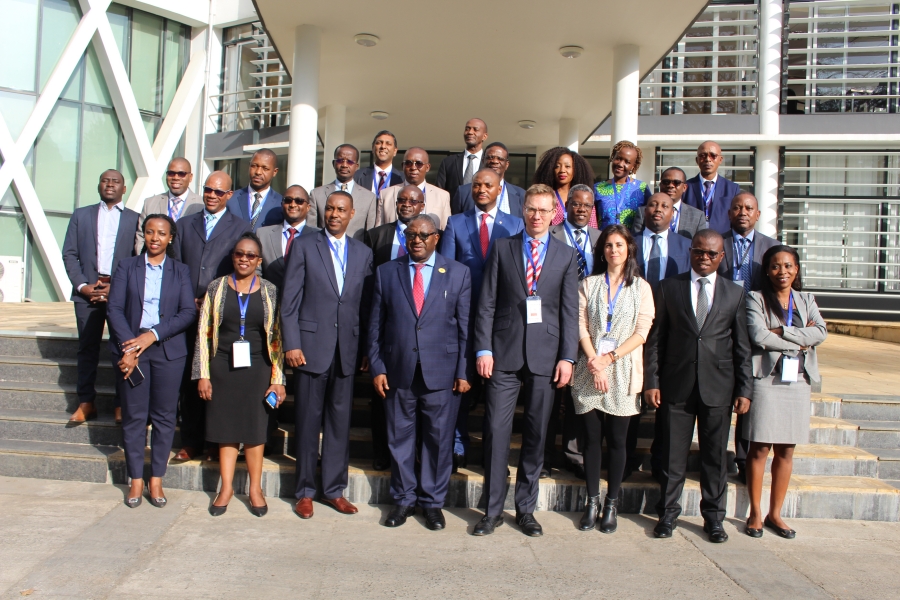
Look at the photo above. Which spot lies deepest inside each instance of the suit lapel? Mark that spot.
(438, 282)
(718, 298)
(474, 234)
(243, 196)
(405, 284)
(548, 260)
(223, 222)
(200, 226)
(95, 215)
(518, 259)
(123, 238)
(140, 278)
(686, 303)
(325, 253)
(165, 307)
(729, 253)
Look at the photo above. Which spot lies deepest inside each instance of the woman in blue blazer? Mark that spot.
(149, 310)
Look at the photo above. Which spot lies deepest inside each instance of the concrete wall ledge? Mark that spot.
(884, 331)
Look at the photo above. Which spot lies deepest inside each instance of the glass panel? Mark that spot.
(173, 67)
(41, 282)
(12, 234)
(127, 169)
(146, 34)
(15, 109)
(72, 91)
(118, 20)
(56, 156)
(60, 18)
(95, 90)
(9, 200)
(99, 149)
(150, 127)
(20, 16)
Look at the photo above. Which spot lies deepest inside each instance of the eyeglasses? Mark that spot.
(247, 255)
(344, 161)
(218, 193)
(710, 254)
(670, 182)
(181, 174)
(297, 201)
(581, 205)
(409, 201)
(709, 155)
(495, 159)
(413, 163)
(530, 211)
(422, 236)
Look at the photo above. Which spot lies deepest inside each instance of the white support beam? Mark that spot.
(770, 30)
(626, 81)
(568, 134)
(766, 188)
(335, 131)
(303, 134)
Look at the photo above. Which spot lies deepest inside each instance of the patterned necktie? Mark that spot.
(533, 272)
(653, 266)
(582, 261)
(707, 185)
(381, 177)
(702, 303)
(484, 235)
(673, 226)
(470, 169)
(418, 288)
(254, 215)
(210, 224)
(174, 210)
(745, 265)
(401, 249)
(343, 187)
(287, 247)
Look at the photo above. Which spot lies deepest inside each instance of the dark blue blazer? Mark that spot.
(678, 257)
(269, 214)
(437, 338)
(207, 259)
(314, 317)
(462, 200)
(366, 177)
(721, 202)
(80, 246)
(177, 311)
(461, 242)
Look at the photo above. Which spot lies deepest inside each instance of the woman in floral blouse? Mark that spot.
(618, 199)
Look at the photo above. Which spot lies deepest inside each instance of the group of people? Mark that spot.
(592, 301)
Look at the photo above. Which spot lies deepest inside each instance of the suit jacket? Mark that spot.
(717, 358)
(437, 339)
(437, 204)
(80, 246)
(761, 243)
(364, 204)
(450, 173)
(690, 222)
(208, 259)
(314, 317)
(381, 241)
(462, 242)
(462, 200)
(678, 257)
(269, 214)
(559, 232)
(500, 325)
(159, 205)
(723, 193)
(367, 177)
(273, 260)
(177, 312)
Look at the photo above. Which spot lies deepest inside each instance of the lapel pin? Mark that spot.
(442, 270)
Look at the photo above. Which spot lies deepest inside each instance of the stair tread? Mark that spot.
(885, 453)
(828, 422)
(53, 416)
(47, 362)
(54, 388)
(57, 449)
(877, 425)
(882, 399)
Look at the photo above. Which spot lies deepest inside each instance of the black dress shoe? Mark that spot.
(754, 533)
(133, 502)
(787, 534)
(591, 511)
(398, 515)
(664, 528)
(459, 462)
(529, 525)
(157, 502)
(609, 521)
(434, 519)
(487, 525)
(715, 531)
(381, 464)
(545, 473)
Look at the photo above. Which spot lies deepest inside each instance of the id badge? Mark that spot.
(790, 368)
(605, 345)
(533, 310)
(240, 354)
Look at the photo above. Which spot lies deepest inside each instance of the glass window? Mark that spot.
(41, 285)
(146, 35)
(99, 149)
(95, 90)
(20, 16)
(12, 234)
(58, 22)
(15, 109)
(173, 65)
(56, 159)
(118, 20)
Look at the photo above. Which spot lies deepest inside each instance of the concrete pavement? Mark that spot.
(77, 540)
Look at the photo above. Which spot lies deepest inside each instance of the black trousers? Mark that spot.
(90, 320)
(380, 449)
(597, 424)
(573, 434)
(713, 423)
(193, 408)
(741, 446)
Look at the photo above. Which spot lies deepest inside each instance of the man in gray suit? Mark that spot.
(178, 202)
(686, 220)
(277, 239)
(346, 163)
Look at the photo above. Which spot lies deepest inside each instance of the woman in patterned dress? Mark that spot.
(562, 169)
(615, 315)
(619, 199)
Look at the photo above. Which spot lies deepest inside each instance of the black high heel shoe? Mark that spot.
(217, 511)
(259, 511)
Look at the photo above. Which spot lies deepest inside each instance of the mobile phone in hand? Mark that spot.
(272, 399)
(136, 378)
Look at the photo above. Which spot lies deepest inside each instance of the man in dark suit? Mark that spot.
(459, 169)
(744, 250)
(346, 164)
(418, 352)
(382, 174)
(511, 197)
(468, 239)
(526, 332)
(697, 367)
(258, 203)
(327, 277)
(97, 238)
(204, 243)
(686, 220)
(575, 233)
(276, 240)
(708, 191)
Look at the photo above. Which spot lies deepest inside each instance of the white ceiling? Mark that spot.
(439, 64)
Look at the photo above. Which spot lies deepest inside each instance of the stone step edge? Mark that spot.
(51, 388)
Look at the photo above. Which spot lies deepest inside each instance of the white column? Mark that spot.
(568, 134)
(768, 107)
(626, 83)
(766, 188)
(335, 128)
(303, 133)
(538, 152)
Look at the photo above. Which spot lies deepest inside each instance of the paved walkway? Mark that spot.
(77, 540)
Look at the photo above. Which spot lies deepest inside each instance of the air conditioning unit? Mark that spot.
(12, 278)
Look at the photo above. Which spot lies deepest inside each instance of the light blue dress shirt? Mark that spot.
(107, 231)
(349, 184)
(503, 200)
(152, 291)
(738, 250)
(647, 241)
(395, 245)
(339, 246)
(216, 217)
(585, 240)
(427, 272)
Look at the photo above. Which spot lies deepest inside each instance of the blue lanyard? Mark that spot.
(334, 252)
(673, 226)
(737, 265)
(243, 303)
(502, 191)
(616, 196)
(562, 205)
(611, 304)
(708, 197)
(383, 186)
(401, 237)
(534, 280)
(173, 217)
(789, 319)
(581, 251)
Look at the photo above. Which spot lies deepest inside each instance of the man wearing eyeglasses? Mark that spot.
(437, 201)
(346, 164)
(686, 220)
(204, 242)
(382, 174)
(178, 202)
(276, 240)
(258, 203)
(708, 191)
(511, 197)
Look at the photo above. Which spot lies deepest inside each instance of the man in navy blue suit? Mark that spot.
(418, 353)
(468, 239)
(710, 192)
(325, 283)
(382, 174)
(258, 203)
(511, 197)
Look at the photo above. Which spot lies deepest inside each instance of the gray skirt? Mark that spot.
(779, 412)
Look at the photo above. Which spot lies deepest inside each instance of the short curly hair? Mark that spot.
(583, 173)
(626, 144)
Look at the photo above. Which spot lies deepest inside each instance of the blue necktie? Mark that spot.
(210, 224)
(745, 266)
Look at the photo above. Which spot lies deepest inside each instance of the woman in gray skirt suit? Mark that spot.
(785, 327)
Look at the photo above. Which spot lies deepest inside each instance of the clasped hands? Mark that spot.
(597, 366)
(96, 293)
(131, 350)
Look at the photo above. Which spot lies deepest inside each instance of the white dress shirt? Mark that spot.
(376, 176)
(476, 162)
(695, 289)
(349, 184)
(586, 240)
(395, 245)
(338, 268)
(251, 197)
(285, 234)
(647, 241)
(107, 230)
(492, 216)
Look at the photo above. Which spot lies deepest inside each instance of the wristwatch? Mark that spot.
(614, 355)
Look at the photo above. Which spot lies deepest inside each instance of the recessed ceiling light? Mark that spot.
(527, 124)
(365, 39)
(571, 51)
(379, 115)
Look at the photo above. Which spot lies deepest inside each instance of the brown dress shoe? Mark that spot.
(186, 453)
(118, 414)
(304, 508)
(84, 412)
(341, 505)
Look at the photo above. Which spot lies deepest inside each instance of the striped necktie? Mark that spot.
(210, 224)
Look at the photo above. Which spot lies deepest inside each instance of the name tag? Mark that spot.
(240, 354)
(605, 345)
(790, 368)
(532, 310)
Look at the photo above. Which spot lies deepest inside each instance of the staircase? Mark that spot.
(850, 469)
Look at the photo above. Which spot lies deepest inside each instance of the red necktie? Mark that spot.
(381, 176)
(532, 274)
(287, 247)
(418, 289)
(485, 236)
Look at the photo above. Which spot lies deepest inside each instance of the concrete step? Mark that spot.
(864, 407)
(61, 461)
(51, 397)
(888, 462)
(44, 345)
(54, 426)
(50, 370)
(878, 434)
